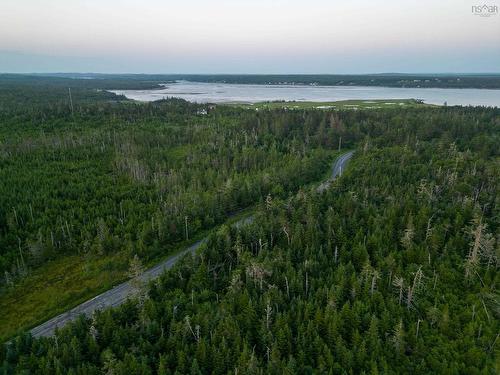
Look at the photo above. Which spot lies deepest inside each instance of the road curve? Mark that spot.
(338, 166)
(119, 294)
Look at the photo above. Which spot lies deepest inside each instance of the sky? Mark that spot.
(248, 36)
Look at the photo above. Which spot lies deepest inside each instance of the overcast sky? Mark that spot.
(247, 36)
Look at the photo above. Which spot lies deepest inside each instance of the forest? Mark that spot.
(391, 270)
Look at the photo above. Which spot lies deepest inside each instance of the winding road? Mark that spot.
(338, 167)
(119, 294)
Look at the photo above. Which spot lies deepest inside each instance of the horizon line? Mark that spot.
(254, 74)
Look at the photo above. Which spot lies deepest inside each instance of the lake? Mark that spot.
(230, 93)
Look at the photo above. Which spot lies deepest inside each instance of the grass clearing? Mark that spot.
(343, 104)
(55, 287)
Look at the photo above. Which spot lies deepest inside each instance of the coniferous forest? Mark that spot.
(391, 270)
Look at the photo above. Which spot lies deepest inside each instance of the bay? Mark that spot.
(201, 92)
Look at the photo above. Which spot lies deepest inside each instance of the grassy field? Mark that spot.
(343, 104)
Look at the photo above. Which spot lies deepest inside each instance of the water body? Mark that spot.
(230, 93)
